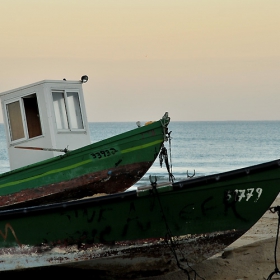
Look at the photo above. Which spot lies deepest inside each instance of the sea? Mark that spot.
(195, 148)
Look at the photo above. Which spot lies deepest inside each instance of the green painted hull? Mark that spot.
(109, 166)
(208, 213)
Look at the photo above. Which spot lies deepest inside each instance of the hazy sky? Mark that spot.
(196, 59)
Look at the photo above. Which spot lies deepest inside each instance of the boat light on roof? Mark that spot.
(84, 79)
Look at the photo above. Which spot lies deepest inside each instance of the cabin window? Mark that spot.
(15, 121)
(24, 120)
(67, 110)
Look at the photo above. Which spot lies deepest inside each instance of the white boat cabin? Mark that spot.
(42, 118)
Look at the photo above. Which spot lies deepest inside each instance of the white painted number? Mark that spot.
(246, 194)
(259, 191)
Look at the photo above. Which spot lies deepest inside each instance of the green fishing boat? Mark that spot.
(51, 154)
(148, 230)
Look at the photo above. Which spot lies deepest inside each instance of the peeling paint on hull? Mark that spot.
(119, 180)
(123, 259)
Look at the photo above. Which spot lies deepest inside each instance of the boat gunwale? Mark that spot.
(228, 175)
(84, 202)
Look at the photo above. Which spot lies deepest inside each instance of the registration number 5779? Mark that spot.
(244, 194)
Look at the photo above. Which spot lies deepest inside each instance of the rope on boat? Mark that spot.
(276, 270)
(163, 156)
(169, 238)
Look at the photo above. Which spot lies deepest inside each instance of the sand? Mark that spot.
(251, 257)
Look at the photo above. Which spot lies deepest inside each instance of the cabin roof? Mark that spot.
(39, 83)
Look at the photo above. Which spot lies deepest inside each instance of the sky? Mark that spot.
(198, 60)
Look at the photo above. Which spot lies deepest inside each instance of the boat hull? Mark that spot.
(197, 218)
(109, 166)
(87, 185)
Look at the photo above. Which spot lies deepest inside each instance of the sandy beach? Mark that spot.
(249, 258)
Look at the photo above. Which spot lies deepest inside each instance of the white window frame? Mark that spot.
(25, 124)
(69, 119)
(23, 118)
